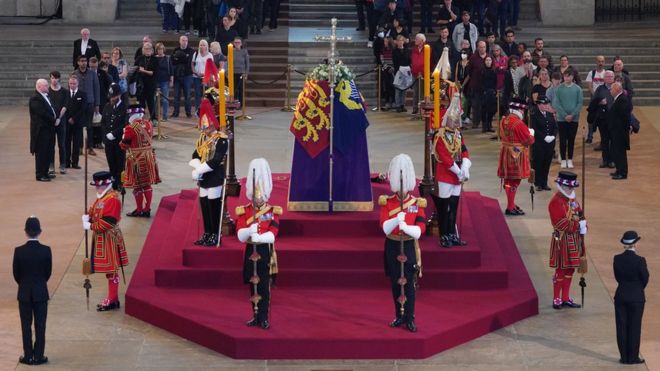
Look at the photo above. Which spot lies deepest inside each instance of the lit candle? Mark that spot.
(222, 107)
(230, 69)
(427, 72)
(436, 99)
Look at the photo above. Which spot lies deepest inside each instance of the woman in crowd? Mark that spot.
(383, 53)
(459, 78)
(489, 99)
(542, 86)
(400, 58)
(198, 67)
(119, 62)
(500, 64)
(567, 102)
(218, 58)
(164, 78)
(147, 65)
(399, 29)
(508, 90)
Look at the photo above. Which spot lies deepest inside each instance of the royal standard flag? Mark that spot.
(350, 118)
(311, 119)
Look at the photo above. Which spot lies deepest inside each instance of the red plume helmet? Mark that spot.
(210, 73)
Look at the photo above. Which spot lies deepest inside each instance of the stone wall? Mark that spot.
(73, 11)
(27, 8)
(567, 12)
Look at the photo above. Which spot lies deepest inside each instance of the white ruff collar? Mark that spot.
(561, 189)
(99, 195)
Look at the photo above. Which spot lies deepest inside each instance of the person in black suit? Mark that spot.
(599, 106)
(113, 120)
(618, 123)
(545, 132)
(42, 130)
(75, 120)
(32, 267)
(85, 46)
(632, 276)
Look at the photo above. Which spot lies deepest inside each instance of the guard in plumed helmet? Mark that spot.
(108, 250)
(452, 169)
(208, 162)
(567, 249)
(403, 221)
(141, 168)
(257, 225)
(113, 120)
(514, 164)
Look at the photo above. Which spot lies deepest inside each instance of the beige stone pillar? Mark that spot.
(567, 12)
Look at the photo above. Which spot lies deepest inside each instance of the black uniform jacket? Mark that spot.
(32, 266)
(632, 275)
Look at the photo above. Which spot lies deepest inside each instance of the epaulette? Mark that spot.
(240, 210)
(277, 210)
(382, 200)
(421, 202)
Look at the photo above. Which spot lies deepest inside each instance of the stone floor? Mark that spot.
(78, 339)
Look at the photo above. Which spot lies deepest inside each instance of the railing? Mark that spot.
(626, 10)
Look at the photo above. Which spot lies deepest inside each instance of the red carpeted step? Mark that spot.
(344, 253)
(331, 313)
(328, 324)
(449, 279)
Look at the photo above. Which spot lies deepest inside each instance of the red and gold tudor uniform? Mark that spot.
(567, 248)
(267, 220)
(414, 216)
(514, 163)
(141, 170)
(108, 249)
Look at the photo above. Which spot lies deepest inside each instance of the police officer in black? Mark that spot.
(545, 132)
(113, 121)
(632, 276)
(32, 267)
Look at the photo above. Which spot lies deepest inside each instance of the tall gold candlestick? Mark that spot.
(230, 69)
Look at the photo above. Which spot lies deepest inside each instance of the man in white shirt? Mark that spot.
(85, 46)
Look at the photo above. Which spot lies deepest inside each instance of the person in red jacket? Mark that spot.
(567, 250)
(402, 226)
(108, 249)
(257, 225)
(514, 153)
(451, 170)
(141, 168)
(417, 68)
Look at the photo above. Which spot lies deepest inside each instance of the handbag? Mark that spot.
(403, 78)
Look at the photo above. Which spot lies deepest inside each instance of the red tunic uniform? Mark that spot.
(258, 275)
(448, 148)
(141, 168)
(514, 152)
(108, 250)
(567, 246)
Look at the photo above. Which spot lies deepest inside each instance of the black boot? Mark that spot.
(443, 217)
(453, 212)
(253, 322)
(202, 240)
(397, 322)
(445, 241)
(215, 206)
(212, 240)
(206, 217)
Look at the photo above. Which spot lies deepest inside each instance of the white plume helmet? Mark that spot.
(452, 118)
(443, 64)
(400, 165)
(263, 179)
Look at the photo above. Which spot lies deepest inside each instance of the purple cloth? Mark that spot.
(351, 182)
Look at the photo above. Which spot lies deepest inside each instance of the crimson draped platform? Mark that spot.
(332, 299)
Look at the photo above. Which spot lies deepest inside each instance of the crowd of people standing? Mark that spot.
(491, 69)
